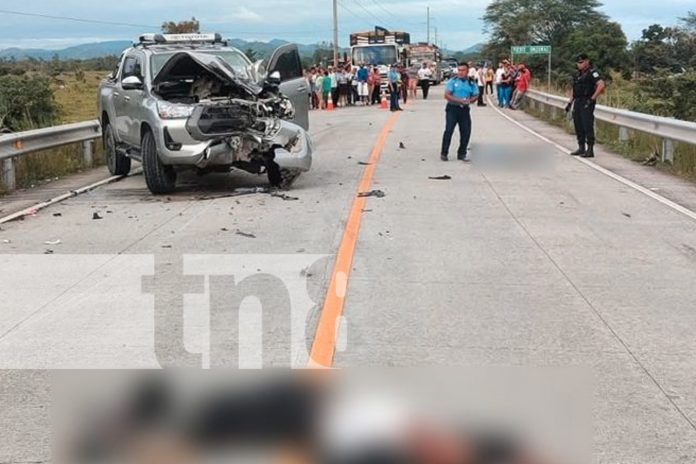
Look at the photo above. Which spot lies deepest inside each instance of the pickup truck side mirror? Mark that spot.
(274, 78)
(132, 83)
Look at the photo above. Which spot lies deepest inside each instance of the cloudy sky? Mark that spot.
(458, 22)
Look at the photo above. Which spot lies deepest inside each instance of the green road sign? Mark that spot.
(531, 50)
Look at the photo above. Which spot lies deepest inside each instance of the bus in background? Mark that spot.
(380, 48)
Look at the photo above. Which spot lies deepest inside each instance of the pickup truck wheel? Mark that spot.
(118, 163)
(160, 179)
(288, 177)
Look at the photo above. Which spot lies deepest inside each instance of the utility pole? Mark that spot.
(436, 42)
(335, 32)
(428, 25)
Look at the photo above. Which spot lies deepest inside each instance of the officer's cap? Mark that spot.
(582, 57)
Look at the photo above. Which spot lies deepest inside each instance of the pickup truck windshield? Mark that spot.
(235, 59)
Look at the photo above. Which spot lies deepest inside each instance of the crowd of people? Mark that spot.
(508, 82)
(363, 84)
(350, 85)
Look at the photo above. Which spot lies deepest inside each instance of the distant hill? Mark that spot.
(101, 49)
(78, 52)
(474, 49)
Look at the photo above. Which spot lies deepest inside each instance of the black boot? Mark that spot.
(590, 151)
(580, 151)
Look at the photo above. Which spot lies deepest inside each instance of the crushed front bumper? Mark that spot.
(295, 154)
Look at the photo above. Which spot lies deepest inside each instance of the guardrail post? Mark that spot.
(87, 152)
(8, 174)
(667, 151)
(623, 134)
(554, 112)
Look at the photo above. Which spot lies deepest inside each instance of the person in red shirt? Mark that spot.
(521, 85)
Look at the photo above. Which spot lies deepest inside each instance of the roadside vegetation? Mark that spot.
(655, 74)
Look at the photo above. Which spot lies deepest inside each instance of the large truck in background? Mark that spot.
(422, 52)
(380, 48)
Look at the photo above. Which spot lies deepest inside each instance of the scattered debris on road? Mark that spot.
(627, 215)
(48, 252)
(166, 246)
(6, 241)
(284, 197)
(57, 214)
(96, 216)
(367, 211)
(402, 146)
(445, 177)
(53, 242)
(651, 160)
(363, 163)
(372, 193)
(245, 234)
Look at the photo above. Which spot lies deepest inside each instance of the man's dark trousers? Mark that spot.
(457, 115)
(425, 86)
(394, 97)
(583, 117)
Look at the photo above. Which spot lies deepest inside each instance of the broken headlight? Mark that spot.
(168, 110)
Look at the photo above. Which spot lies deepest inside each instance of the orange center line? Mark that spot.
(324, 345)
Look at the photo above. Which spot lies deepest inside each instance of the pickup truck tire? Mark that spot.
(160, 179)
(288, 177)
(118, 163)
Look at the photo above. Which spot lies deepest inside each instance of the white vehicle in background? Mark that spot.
(381, 49)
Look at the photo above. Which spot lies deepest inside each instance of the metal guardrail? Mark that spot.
(23, 143)
(667, 129)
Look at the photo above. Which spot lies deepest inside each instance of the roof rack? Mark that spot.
(163, 39)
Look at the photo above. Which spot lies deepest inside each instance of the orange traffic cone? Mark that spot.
(384, 105)
(330, 104)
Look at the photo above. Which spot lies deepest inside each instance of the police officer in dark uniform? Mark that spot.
(587, 87)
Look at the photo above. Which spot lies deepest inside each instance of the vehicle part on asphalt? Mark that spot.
(372, 193)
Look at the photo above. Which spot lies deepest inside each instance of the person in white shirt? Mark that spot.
(424, 76)
(481, 82)
(473, 72)
(498, 83)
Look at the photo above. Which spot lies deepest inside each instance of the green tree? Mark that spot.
(251, 54)
(26, 102)
(665, 94)
(569, 26)
(181, 27)
(689, 21)
(672, 48)
(605, 43)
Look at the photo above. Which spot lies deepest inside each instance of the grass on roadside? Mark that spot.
(639, 146)
(77, 98)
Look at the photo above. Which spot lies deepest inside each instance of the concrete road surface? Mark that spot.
(525, 257)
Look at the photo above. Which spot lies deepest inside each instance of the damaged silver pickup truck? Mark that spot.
(190, 101)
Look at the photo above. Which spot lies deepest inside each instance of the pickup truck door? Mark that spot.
(286, 60)
(127, 102)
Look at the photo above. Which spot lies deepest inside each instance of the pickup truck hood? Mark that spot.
(185, 63)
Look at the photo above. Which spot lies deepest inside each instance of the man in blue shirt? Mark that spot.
(362, 83)
(459, 93)
(394, 78)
